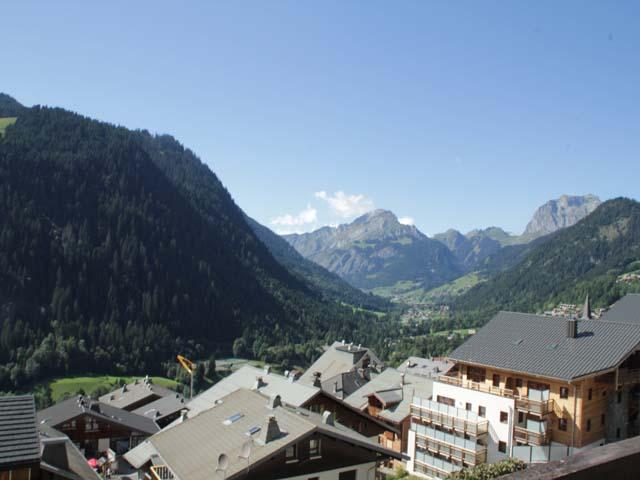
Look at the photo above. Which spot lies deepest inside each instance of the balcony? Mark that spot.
(628, 377)
(535, 406)
(533, 437)
(434, 467)
(450, 446)
(161, 472)
(453, 418)
(479, 386)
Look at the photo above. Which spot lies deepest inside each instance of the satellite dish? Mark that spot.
(245, 450)
(223, 463)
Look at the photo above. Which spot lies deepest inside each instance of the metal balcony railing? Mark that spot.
(457, 419)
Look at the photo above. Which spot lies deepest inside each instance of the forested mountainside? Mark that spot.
(586, 258)
(330, 284)
(119, 249)
(376, 250)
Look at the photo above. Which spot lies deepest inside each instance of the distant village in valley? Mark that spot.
(525, 389)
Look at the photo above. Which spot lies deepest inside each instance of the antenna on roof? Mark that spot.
(245, 451)
(223, 464)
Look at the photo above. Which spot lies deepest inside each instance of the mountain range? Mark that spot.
(119, 248)
(376, 252)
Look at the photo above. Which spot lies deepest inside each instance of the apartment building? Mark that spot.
(533, 387)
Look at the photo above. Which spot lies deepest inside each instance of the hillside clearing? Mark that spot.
(5, 122)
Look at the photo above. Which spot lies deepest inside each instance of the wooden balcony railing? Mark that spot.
(532, 437)
(463, 421)
(538, 407)
(161, 472)
(628, 377)
(481, 387)
(450, 446)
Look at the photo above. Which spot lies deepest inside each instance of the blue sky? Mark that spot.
(453, 114)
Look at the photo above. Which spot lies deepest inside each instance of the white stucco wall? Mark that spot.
(494, 404)
(364, 471)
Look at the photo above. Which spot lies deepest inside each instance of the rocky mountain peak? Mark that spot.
(560, 213)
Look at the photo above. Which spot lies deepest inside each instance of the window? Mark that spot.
(564, 392)
(468, 406)
(588, 424)
(348, 475)
(314, 448)
(590, 394)
(602, 419)
(482, 411)
(518, 382)
(496, 380)
(520, 417)
(619, 397)
(476, 374)
(617, 433)
(446, 400)
(502, 447)
(562, 424)
(291, 454)
(504, 417)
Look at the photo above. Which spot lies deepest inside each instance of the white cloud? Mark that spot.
(406, 220)
(346, 206)
(288, 223)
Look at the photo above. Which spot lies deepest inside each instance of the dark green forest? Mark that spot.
(119, 249)
(586, 258)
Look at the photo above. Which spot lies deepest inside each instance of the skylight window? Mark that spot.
(552, 346)
(233, 418)
(253, 430)
(518, 342)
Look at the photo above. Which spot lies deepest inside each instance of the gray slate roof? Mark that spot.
(343, 384)
(73, 407)
(425, 367)
(538, 345)
(62, 458)
(387, 387)
(162, 407)
(134, 392)
(19, 443)
(292, 393)
(625, 310)
(191, 448)
(337, 359)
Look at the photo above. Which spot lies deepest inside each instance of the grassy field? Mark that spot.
(5, 122)
(454, 288)
(71, 385)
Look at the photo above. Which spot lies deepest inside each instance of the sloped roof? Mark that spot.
(191, 448)
(539, 345)
(291, 392)
(19, 442)
(625, 310)
(425, 367)
(62, 458)
(339, 358)
(134, 392)
(162, 407)
(343, 384)
(73, 407)
(387, 388)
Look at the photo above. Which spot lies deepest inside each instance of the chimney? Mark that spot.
(343, 342)
(586, 309)
(267, 369)
(274, 402)
(316, 379)
(271, 431)
(327, 417)
(335, 387)
(572, 328)
(258, 383)
(183, 415)
(402, 379)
